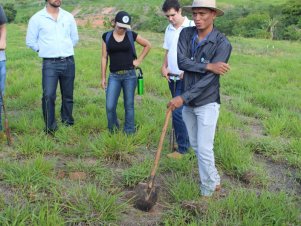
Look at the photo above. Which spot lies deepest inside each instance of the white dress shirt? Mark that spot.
(171, 44)
(52, 38)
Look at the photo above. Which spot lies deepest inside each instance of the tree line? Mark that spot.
(277, 22)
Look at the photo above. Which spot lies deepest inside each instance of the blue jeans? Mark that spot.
(2, 86)
(177, 120)
(54, 71)
(201, 123)
(128, 83)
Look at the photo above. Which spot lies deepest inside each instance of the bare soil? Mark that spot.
(95, 19)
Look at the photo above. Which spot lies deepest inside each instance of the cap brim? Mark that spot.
(127, 26)
(219, 12)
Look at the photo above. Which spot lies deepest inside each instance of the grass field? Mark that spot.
(85, 176)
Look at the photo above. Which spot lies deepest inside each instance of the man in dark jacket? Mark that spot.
(203, 53)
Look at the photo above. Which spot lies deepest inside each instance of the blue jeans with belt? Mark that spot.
(56, 70)
(127, 81)
(2, 85)
(177, 120)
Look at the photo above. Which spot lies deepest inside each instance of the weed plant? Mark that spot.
(91, 205)
(138, 172)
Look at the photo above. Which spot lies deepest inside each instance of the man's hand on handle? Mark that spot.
(175, 102)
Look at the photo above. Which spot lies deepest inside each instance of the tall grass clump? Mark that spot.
(183, 188)
(138, 172)
(90, 205)
(231, 154)
(245, 107)
(267, 146)
(32, 214)
(117, 146)
(30, 145)
(243, 207)
(240, 207)
(34, 173)
(96, 171)
(178, 216)
(188, 164)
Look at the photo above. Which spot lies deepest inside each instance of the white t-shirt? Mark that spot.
(171, 44)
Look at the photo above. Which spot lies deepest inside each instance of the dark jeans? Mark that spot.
(54, 71)
(127, 82)
(177, 120)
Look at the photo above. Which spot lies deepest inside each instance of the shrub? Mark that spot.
(10, 12)
(254, 25)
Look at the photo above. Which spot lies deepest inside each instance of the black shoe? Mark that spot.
(67, 124)
(50, 132)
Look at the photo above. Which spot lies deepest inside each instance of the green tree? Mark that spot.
(10, 12)
(291, 22)
(254, 25)
(227, 23)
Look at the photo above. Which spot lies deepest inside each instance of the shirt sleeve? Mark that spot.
(74, 32)
(165, 44)
(32, 34)
(3, 19)
(184, 59)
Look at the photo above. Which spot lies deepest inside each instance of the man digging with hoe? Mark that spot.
(203, 53)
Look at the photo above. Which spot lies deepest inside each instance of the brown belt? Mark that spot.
(121, 72)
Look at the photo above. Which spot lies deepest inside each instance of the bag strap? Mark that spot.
(108, 36)
(130, 37)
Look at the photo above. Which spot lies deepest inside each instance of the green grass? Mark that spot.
(260, 114)
(182, 188)
(91, 205)
(238, 208)
(33, 174)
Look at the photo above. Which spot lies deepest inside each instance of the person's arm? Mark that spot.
(2, 37)
(146, 48)
(104, 64)
(74, 32)
(183, 54)
(218, 68)
(164, 69)
(32, 35)
(220, 57)
(218, 65)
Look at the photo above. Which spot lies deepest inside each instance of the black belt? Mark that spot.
(59, 58)
(121, 72)
(175, 75)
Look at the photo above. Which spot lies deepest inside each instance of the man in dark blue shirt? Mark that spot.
(203, 53)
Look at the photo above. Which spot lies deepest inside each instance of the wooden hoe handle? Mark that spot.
(158, 153)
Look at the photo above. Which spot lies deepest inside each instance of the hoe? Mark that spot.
(147, 193)
(7, 129)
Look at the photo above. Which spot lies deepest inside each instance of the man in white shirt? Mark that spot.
(171, 71)
(52, 32)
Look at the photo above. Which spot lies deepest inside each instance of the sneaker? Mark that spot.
(175, 155)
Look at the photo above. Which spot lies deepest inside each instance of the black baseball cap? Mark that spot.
(123, 19)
